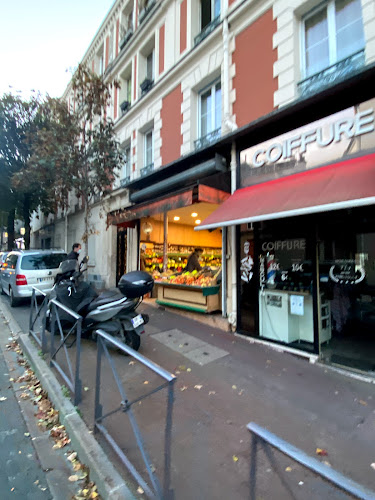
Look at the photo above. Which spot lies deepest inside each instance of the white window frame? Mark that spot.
(152, 55)
(126, 167)
(213, 2)
(331, 21)
(212, 86)
(146, 134)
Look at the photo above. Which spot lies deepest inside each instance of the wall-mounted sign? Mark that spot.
(297, 305)
(271, 246)
(345, 272)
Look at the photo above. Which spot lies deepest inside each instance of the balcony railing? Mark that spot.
(145, 9)
(127, 36)
(146, 85)
(147, 169)
(125, 181)
(208, 139)
(333, 74)
(124, 106)
(207, 30)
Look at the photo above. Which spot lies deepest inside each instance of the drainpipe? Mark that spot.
(229, 124)
(232, 317)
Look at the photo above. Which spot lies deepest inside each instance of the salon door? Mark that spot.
(248, 305)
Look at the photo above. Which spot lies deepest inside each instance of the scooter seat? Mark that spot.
(105, 298)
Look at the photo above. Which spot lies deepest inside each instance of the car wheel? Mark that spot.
(13, 300)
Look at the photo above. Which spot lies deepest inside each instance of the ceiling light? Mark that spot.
(198, 221)
(176, 217)
(194, 214)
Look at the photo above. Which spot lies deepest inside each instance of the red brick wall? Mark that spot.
(183, 25)
(254, 82)
(171, 118)
(161, 49)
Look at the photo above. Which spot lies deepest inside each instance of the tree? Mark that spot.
(76, 149)
(18, 121)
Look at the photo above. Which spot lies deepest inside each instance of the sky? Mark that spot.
(41, 41)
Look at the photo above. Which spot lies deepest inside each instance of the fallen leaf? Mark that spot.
(146, 382)
(86, 389)
(140, 490)
(131, 363)
(182, 368)
(211, 392)
(73, 478)
(199, 387)
(27, 434)
(234, 387)
(321, 452)
(235, 459)
(188, 370)
(301, 483)
(72, 456)
(24, 395)
(93, 494)
(181, 345)
(288, 469)
(327, 463)
(11, 380)
(183, 388)
(373, 465)
(361, 402)
(3, 399)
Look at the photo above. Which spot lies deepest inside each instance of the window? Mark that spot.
(148, 151)
(332, 33)
(126, 167)
(150, 66)
(35, 262)
(125, 90)
(210, 10)
(209, 115)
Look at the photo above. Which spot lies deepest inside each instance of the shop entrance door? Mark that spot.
(122, 246)
(248, 288)
(347, 285)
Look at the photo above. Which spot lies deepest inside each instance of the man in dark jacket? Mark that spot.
(74, 254)
(193, 260)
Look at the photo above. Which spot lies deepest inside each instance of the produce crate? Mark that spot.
(192, 298)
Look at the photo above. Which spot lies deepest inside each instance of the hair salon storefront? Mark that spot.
(305, 215)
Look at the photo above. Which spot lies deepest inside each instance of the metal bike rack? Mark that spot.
(156, 491)
(37, 319)
(268, 441)
(72, 379)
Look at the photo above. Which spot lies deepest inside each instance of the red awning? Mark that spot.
(350, 183)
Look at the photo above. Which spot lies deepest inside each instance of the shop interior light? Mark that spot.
(194, 214)
(198, 221)
(176, 217)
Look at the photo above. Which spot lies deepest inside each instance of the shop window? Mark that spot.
(333, 36)
(126, 167)
(209, 115)
(209, 18)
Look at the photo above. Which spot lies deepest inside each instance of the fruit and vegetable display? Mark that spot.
(194, 278)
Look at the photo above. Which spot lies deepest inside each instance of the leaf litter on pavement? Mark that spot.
(48, 419)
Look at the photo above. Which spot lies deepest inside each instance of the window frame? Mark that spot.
(126, 166)
(145, 135)
(211, 86)
(330, 6)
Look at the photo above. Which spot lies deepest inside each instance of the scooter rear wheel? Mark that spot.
(132, 340)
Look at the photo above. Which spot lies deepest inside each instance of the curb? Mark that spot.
(108, 481)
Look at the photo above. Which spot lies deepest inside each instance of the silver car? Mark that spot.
(25, 268)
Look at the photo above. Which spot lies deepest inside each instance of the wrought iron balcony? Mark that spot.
(333, 74)
(147, 169)
(144, 10)
(124, 181)
(207, 30)
(146, 85)
(124, 106)
(208, 139)
(127, 36)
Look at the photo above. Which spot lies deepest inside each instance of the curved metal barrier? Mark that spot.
(155, 490)
(37, 319)
(268, 440)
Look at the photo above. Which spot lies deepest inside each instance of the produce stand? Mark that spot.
(203, 299)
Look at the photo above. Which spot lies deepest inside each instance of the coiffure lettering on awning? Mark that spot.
(315, 144)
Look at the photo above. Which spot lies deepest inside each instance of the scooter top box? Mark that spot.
(135, 284)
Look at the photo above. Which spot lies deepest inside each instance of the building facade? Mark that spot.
(213, 94)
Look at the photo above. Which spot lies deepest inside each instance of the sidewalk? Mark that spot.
(223, 383)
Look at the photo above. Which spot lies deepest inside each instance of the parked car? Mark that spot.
(25, 268)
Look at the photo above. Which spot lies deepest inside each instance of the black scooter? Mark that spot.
(113, 311)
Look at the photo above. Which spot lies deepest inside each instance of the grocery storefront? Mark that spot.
(304, 210)
(164, 219)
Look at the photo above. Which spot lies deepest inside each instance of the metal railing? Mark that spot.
(72, 378)
(208, 139)
(37, 319)
(207, 30)
(268, 441)
(333, 74)
(147, 169)
(155, 490)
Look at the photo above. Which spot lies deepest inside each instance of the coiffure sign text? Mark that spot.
(343, 128)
